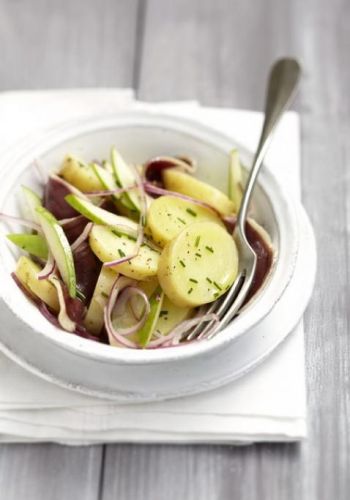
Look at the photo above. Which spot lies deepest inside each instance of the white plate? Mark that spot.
(127, 375)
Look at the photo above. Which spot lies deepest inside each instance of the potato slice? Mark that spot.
(199, 265)
(168, 216)
(108, 245)
(94, 316)
(26, 272)
(171, 315)
(178, 181)
(80, 174)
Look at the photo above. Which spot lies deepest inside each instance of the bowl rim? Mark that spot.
(54, 136)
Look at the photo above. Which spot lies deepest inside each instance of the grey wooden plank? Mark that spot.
(61, 44)
(220, 52)
(67, 44)
(41, 471)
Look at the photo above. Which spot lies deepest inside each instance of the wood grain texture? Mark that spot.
(219, 52)
(67, 43)
(43, 471)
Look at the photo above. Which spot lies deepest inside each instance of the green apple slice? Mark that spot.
(235, 182)
(105, 177)
(99, 215)
(34, 244)
(125, 178)
(145, 333)
(32, 201)
(60, 248)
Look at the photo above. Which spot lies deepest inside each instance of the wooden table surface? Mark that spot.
(217, 51)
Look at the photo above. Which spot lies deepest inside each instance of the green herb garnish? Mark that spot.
(198, 255)
(163, 313)
(181, 220)
(217, 286)
(210, 249)
(191, 212)
(193, 280)
(197, 241)
(121, 253)
(190, 291)
(208, 280)
(182, 263)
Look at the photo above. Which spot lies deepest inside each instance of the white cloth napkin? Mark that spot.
(268, 404)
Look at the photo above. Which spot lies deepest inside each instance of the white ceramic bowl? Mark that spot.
(142, 375)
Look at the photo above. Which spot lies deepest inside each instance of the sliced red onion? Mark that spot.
(84, 235)
(153, 168)
(23, 222)
(111, 192)
(230, 222)
(120, 283)
(176, 333)
(140, 232)
(63, 222)
(125, 296)
(69, 186)
(152, 189)
(63, 318)
(49, 268)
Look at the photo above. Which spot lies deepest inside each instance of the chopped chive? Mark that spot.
(190, 291)
(182, 263)
(80, 295)
(121, 253)
(216, 294)
(217, 286)
(115, 232)
(104, 294)
(208, 280)
(193, 280)
(163, 313)
(210, 249)
(191, 212)
(181, 220)
(198, 255)
(197, 241)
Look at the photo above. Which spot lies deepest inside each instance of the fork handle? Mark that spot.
(282, 85)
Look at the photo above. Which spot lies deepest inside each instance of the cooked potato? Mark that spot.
(94, 316)
(27, 272)
(171, 315)
(199, 265)
(108, 245)
(80, 174)
(178, 181)
(168, 216)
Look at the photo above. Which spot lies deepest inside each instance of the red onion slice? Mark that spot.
(63, 318)
(176, 333)
(84, 235)
(23, 222)
(154, 167)
(64, 222)
(120, 304)
(120, 283)
(152, 189)
(48, 269)
(69, 186)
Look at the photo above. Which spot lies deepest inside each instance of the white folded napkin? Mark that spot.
(267, 404)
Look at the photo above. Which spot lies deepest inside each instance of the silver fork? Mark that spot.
(283, 80)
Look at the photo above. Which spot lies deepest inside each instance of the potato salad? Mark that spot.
(131, 255)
